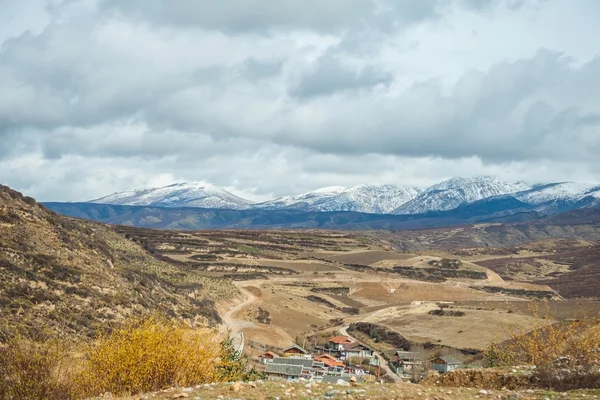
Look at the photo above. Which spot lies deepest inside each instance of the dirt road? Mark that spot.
(233, 325)
(382, 361)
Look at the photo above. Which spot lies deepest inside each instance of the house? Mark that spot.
(406, 361)
(329, 361)
(445, 364)
(318, 369)
(283, 371)
(304, 362)
(295, 351)
(267, 357)
(337, 343)
(356, 349)
(309, 368)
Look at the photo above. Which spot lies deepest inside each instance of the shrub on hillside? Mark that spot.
(451, 313)
(155, 354)
(381, 334)
(566, 354)
(141, 356)
(30, 370)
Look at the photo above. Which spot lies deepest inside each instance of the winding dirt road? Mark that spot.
(233, 325)
(382, 361)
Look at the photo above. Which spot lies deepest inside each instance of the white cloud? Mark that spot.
(99, 96)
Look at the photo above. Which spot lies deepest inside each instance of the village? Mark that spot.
(345, 359)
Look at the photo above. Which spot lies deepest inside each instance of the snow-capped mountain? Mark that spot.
(378, 199)
(547, 198)
(562, 196)
(189, 194)
(564, 191)
(451, 193)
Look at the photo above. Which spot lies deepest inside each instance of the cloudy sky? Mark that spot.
(272, 97)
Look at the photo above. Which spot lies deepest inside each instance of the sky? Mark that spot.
(275, 97)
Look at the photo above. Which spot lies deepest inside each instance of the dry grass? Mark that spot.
(33, 370)
(64, 277)
(286, 390)
(566, 354)
(143, 355)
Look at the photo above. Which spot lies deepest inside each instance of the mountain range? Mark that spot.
(376, 199)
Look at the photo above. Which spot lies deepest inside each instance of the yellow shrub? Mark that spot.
(141, 356)
(150, 355)
(541, 344)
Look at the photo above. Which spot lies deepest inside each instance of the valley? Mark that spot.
(305, 284)
(438, 292)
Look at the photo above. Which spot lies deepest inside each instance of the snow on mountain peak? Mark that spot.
(362, 198)
(562, 191)
(369, 198)
(330, 190)
(453, 192)
(184, 194)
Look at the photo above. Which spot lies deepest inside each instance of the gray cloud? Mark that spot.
(485, 5)
(330, 75)
(259, 69)
(260, 16)
(515, 111)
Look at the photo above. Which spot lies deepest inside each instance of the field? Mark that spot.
(299, 284)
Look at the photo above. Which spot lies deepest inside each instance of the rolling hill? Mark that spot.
(62, 276)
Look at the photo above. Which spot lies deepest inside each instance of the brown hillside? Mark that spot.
(64, 276)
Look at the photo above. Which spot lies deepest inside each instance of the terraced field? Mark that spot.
(306, 282)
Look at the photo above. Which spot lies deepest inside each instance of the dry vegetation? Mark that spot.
(64, 278)
(565, 354)
(272, 390)
(141, 356)
(61, 276)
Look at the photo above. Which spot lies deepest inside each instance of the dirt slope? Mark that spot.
(64, 276)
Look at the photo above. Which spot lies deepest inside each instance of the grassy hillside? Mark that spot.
(64, 276)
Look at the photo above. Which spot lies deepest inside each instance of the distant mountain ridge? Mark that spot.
(372, 198)
(376, 199)
(193, 194)
(454, 192)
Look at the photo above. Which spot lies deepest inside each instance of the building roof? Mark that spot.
(284, 369)
(329, 360)
(355, 346)
(304, 362)
(295, 346)
(268, 353)
(408, 355)
(340, 339)
(325, 356)
(333, 363)
(449, 360)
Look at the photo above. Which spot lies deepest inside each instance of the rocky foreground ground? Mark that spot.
(273, 390)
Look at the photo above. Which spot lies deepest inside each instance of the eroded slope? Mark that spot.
(64, 276)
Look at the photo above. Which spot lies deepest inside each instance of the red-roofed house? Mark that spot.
(329, 360)
(267, 357)
(337, 343)
(356, 349)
